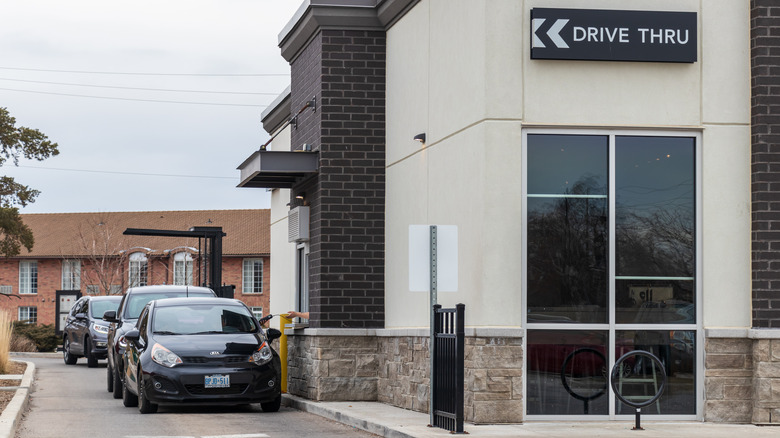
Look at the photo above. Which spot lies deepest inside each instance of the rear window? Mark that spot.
(136, 302)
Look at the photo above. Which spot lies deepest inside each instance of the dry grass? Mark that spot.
(6, 331)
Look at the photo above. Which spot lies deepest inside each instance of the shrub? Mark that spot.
(6, 331)
(22, 344)
(43, 335)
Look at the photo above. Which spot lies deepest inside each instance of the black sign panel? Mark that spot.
(609, 35)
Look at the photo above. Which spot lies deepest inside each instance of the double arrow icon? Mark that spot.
(553, 33)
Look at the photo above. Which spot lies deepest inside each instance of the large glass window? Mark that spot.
(610, 267)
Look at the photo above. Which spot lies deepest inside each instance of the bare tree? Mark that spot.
(103, 250)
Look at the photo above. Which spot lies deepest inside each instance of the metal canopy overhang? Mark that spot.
(277, 169)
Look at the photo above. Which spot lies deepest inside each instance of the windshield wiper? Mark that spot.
(164, 332)
(210, 332)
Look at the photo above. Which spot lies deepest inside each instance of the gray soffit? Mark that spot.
(314, 15)
(277, 113)
(277, 169)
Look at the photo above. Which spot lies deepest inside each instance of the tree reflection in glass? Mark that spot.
(567, 228)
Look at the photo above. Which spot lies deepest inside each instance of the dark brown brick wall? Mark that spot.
(347, 196)
(765, 66)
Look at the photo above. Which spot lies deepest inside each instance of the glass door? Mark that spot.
(610, 251)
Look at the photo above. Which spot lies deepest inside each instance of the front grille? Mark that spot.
(235, 388)
(215, 360)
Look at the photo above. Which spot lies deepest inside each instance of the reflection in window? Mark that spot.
(677, 351)
(567, 228)
(567, 372)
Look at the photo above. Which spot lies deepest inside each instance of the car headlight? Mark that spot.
(164, 356)
(263, 355)
(100, 328)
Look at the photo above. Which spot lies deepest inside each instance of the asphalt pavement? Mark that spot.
(388, 421)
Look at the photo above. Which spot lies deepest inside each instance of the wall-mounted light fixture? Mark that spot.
(300, 196)
(420, 138)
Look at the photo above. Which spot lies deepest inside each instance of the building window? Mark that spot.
(302, 277)
(611, 264)
(71, 275)
(138, 269)
(28, 314)
(116, 289)
(257, 311)
(253, 276)
(28, 277)
(93, 289)
(182, 268)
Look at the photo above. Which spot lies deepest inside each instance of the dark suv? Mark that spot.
(85, 333)
(124, 318)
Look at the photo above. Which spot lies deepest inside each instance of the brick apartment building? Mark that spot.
(87, 253)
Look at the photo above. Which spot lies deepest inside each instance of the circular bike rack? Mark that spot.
(583, 398)
(616, 380)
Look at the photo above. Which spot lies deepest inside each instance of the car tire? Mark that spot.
(109, 379)
(117, 383)
(67, 356)
(92, 361)
(272, 406)
(129, 399)
(144, 405)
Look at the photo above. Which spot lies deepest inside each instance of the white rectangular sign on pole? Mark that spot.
(420, 258)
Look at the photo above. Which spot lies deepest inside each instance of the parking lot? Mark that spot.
(69, 400)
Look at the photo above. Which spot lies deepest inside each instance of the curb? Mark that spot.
(12, 413)
(315, 408)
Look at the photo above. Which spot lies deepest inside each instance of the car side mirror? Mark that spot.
(80, 315)
(272, 334)
(133, 336)
(110, 316)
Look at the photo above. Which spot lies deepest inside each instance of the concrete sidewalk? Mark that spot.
(388, 421)
(12, 413)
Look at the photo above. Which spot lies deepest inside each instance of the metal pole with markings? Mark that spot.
(433, 302)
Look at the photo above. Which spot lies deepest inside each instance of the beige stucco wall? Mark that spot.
(460, 71)
(282, 252)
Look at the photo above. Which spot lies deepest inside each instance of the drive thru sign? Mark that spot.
(612, 35)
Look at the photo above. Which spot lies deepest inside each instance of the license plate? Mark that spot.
(217, 381)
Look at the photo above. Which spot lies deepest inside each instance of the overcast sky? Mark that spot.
(115, 145)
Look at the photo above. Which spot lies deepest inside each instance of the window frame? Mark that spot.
(611, 326)
(71, 278)
(187, 261)
(30, 286)
(244, 279)
(140, 260)
(29, 310)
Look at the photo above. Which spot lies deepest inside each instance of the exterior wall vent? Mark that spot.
(298, 224)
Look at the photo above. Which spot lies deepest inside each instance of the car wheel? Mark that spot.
(117, 382)
(66, 355)
(144, 405)
(109, 379)
(272, 406)
(92, 361)
(129, 399)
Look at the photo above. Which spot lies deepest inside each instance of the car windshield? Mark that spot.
(99, 307)
(136, 302)
(202, 319)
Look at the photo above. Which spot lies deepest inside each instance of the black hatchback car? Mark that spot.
(200, 351)
(85, 333)
(125, 317)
